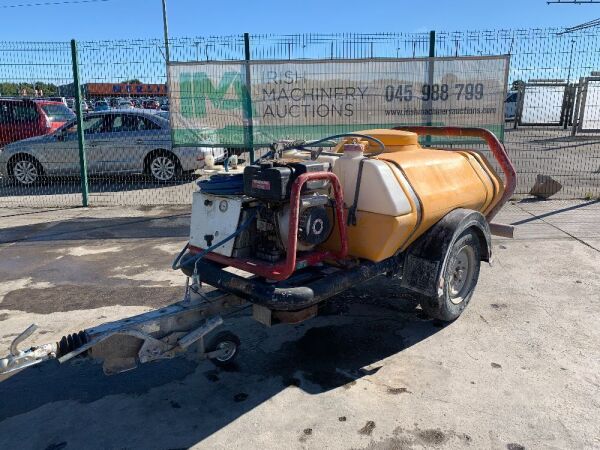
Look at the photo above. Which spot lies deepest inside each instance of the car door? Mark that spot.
(131, 135)
(5, 117)
(62, 151)
(19, 120)
(115, 143)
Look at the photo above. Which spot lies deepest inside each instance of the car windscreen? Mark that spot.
(58, 113)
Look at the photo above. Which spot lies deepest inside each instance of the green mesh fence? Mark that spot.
(552, 110)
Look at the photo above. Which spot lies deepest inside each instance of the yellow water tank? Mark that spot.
(407, 189)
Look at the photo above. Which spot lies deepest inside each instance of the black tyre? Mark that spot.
(25, 170)
(163, 167)
(460, 278)
(228, 346)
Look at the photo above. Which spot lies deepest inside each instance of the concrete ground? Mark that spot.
(519, 369)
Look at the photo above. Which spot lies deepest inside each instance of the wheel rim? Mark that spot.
(25, 172)
(162, 168)
(226, 351)
(461, 275)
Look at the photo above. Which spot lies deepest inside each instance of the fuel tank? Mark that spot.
(406, 189)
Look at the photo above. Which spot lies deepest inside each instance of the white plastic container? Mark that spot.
(379, 193)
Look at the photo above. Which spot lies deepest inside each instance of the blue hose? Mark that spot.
(221, 184)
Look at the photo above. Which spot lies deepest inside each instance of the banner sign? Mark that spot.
(231, 104)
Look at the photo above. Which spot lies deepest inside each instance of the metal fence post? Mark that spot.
(80, 135)
(430, 79)
(248, 126)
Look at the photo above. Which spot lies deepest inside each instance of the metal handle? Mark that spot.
(14, 350)
(496, 147)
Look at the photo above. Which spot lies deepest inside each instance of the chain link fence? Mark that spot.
(552, 110)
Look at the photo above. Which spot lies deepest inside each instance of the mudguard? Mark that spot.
(425, 259)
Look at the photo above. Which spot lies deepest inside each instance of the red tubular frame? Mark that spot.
(283, 270)
(493, 143)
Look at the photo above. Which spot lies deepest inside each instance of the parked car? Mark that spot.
(24, 118)
(117, 141)
(151, 104)
(58, 99)
(101, 106)
(124, 104)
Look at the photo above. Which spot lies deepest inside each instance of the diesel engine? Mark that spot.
(253, 222)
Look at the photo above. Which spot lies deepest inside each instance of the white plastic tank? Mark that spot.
(379, 193)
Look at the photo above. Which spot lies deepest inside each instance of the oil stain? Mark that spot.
(57, 446)
(306, 433)
(368, 428)
(240, 397)
(432, 436)
(65, 298)
(330, 356)
(397, 391)
(421, 438)
(496, 365)
(499, 305)
(212, 375)
(513, 446)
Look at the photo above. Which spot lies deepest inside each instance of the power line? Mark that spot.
(582, 26)
(66, 2)
(571, 2)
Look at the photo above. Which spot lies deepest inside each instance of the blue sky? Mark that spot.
(142, 18)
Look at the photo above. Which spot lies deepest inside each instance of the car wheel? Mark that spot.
(460, 278)
(163, 167)
(26, 171)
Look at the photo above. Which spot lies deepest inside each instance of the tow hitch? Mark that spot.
(179, 328)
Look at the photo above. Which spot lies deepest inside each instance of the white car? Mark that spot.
(124, 104)
(117, 141)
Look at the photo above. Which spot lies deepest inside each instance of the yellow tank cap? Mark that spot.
(392, 138)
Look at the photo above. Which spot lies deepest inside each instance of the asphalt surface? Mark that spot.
(519, 369)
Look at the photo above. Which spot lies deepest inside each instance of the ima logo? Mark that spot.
(197, 89)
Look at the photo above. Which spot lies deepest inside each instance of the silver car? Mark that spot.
(118, 141)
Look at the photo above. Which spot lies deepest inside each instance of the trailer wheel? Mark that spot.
(460, 278)
(227, 344)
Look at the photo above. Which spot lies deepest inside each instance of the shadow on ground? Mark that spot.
(349, 340)
(96, 184)
(168, 222)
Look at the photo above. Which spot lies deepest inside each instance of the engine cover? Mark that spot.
(272, 180)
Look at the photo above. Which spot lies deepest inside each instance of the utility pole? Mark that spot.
(165, 30)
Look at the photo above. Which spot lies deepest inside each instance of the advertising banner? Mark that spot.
(233, 104)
